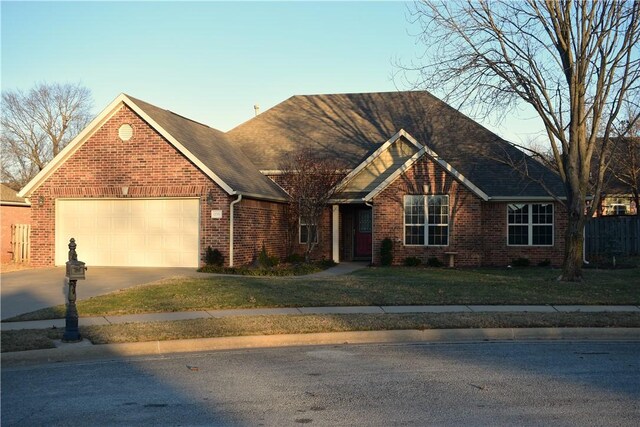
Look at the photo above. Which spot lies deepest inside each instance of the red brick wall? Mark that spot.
(464, 221)
(496, 250)
(258, 223)
(477, 229)
(147, 164)
(10, 215)
(323, 249)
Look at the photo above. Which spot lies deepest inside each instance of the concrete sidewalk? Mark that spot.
(213, 314)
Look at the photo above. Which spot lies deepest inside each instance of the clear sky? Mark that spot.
(212, 61)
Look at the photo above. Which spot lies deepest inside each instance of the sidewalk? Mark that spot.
(213, 314)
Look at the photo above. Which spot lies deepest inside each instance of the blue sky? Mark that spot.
(212, 61)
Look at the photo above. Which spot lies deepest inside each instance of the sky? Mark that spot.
(213, 61)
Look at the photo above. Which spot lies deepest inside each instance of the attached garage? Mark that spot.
(129, 232)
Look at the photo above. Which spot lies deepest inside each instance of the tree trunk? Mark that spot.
(574, 241)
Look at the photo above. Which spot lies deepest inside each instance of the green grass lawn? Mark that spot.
(371, 286)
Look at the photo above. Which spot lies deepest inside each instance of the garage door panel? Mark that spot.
(134, 232)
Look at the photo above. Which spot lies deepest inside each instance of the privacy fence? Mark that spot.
(613, 235)
(20, 242)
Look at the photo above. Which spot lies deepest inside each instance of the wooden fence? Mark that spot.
(21, 242)
(614, 235)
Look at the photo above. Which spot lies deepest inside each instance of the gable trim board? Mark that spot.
(423, 150)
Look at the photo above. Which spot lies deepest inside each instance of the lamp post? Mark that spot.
(75, 272)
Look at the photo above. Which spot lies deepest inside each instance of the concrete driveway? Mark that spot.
(28, 290)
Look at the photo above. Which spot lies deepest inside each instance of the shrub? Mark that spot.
(434, 262)
(294, 259)
(544, 263)
(213, 257)
(412, 261)
(265, 260)
(386, 252)
(520, 262)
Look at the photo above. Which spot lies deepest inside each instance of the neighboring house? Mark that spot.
(13, 210)
(143, 186)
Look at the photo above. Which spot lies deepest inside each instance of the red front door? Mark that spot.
(363, 234)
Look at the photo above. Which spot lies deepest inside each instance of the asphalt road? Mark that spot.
(493, 383)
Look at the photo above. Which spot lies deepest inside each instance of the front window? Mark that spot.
(426, 220)
(307, 230)
(530, 224)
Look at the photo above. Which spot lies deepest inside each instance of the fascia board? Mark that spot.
(195, 160)
(72, 147)
(375, 154)
(425, 150)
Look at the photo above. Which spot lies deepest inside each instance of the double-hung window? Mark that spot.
(307, 231)
(530, 224)
(426, 220)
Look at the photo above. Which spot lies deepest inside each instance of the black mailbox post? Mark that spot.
(75, 272)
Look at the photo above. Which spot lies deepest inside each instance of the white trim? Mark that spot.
(15, 204)
(375, 154)
(73, 146)
(425, 150)
(231, 206)
(195, 160)
(103, 117)
(309, 230)
(426, 221)
(335, 233)
(530, 226)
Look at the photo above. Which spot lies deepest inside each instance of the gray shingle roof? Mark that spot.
(9, 195)
(213, 148)
(351, 126)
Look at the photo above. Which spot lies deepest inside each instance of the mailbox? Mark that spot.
(75, 270)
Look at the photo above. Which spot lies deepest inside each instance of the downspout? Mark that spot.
(584, 246)
(231, 205)
(371, 206)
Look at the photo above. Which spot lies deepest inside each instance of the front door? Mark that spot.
(362, 235)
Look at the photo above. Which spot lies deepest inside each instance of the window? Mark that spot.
(530, 224)
(426, 220)
(305, 230)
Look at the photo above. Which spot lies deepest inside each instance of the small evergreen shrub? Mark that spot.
(294, 259)
(213, 257)
(544, 263)
(434, 262)
(386, 252)
(521, 262)
(265, 260)
(412, 261)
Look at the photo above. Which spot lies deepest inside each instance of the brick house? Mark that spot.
(142, 186)
(13, 210)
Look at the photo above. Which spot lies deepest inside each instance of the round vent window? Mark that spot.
(125, 132)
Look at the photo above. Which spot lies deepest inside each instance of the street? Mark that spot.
(490, 383)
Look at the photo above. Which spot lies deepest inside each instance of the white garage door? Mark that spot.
(131, 232)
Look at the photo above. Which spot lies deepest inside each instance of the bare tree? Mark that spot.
(310, 182)
(39, 123)
(574, 62)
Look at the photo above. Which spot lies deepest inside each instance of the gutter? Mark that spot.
(231, 205)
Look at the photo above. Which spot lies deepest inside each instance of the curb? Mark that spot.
(83, 352)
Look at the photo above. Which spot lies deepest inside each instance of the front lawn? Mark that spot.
(371, 286)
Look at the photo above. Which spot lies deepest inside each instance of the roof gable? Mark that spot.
(385, 165)
(205, 147)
